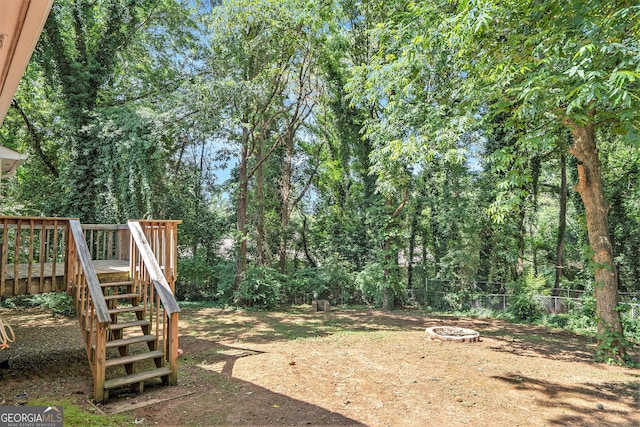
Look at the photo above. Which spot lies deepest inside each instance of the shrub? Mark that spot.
(195, 281)
(261, 287)
(559, 321)
(58, 302)
(370, 281)
(224, 276)
(332, 283)
(525, 309)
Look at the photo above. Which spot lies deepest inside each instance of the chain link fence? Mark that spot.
(550, 304)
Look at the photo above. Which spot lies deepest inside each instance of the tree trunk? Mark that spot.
(412, 247)
(611, 343)
(241, 257)
(521, 246)
(562, 220)
(388, 255)
(260, 214)
(285, 193)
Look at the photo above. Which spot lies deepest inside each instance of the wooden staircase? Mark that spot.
(132, 346)
(130, 328)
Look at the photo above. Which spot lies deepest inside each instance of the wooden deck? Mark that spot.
(42, 278)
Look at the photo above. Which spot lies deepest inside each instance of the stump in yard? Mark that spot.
(321, 305)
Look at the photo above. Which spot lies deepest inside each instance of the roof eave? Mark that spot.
(21, 23)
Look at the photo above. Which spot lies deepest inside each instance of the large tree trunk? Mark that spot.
(562, 221)
(241, 256)
(611, 343)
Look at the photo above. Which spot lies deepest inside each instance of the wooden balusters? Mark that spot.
(107, 241)
(31, 248)
(149, 258)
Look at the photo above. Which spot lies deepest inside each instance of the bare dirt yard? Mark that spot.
(344, 368)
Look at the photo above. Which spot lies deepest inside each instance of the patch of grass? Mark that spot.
(201, 304)
(75, 415)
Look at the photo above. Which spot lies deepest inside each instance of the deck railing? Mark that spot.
(33, 253)
(149, 239)
(90, 303)
(107, 241)
(163, 241)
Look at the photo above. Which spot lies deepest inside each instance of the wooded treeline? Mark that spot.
(366, 145)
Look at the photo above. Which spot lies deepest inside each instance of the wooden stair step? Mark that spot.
(115, 284)
(136, 378)
(123, 325)
(131, 340)
(126, 309)
(120, 296)
(133, 358)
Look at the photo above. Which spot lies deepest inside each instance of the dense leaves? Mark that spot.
(361, 152)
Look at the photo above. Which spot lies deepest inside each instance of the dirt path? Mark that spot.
(347, 367)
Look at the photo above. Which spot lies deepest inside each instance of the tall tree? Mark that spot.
(550, 65)
(83, 62)
(261, 72)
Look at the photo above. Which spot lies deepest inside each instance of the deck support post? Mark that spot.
(100, 357)
(172, 347)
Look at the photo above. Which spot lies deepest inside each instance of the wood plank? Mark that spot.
(104, 267)
(135, 378)
(172, 347)
(100, 368)
(16, 258)
(131, 340)
(116, 284)
(120, 296)
(133, 358)
(125, 310)
(124, 325)
(42, 257)
(91, 278)
(54, 254)
(160, 282)
(31, 238)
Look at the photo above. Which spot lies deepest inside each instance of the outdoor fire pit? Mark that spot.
(452, 333)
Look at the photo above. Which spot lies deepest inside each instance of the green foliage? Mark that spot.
(331, 283)
(378, 283)
(58, 302)
(370, 282)
(195, 282)
(529, 284)
(224, 274)
(262, 287)
(560, 321)
(76, 416)
(459, 300)
(525, 309)
(609, 344)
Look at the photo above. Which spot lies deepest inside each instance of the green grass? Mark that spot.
(75, 415)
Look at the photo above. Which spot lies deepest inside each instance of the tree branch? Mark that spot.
(36, 140)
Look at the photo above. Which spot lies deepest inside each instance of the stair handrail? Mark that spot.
(91, 306)
(156, 276)
(100, 305)
(163, 291)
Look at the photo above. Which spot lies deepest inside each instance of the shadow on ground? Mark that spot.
(217, 398)
(265, 327)
(555, 395)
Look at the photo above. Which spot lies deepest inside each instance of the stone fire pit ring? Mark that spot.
(452, 333)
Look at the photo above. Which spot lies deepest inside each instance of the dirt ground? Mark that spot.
(347, 367)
